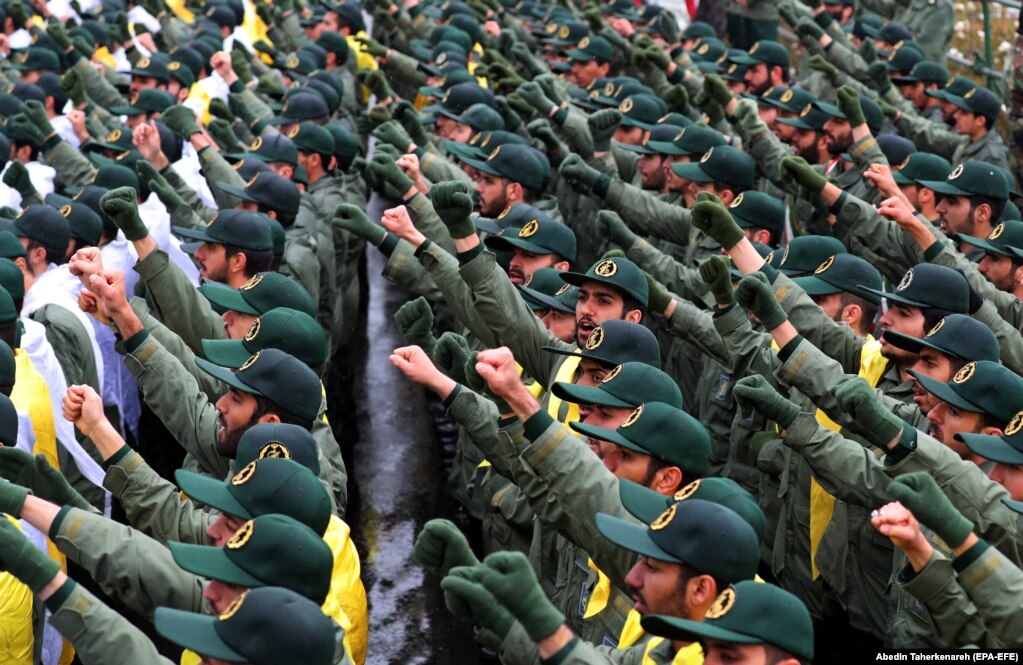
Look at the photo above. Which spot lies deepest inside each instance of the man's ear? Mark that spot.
(269, 418)
(634, 316)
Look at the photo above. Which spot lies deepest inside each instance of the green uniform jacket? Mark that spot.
(518, 649)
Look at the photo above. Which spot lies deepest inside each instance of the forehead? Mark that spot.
(599, 289)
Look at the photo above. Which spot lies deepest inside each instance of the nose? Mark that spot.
(634, 580)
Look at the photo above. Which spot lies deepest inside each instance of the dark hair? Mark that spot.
(34, 149)
(997, 206)
(286, 219)
(256, 260)
(266, 406)
(869, 309)
(53, 255)
(9, 333)
(688, 573)
(275, 262)
(774, 655)
(629, 303)
(932, 315)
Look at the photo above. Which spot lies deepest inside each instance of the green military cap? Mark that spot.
(264, 626)
(512, 216)
(275, 147)
(240, 228)
(268, 189)
(283, 379)
(12, 279)
(703, 535)
(263, 292)
(83, 222)
(264, 486)
(8, 312)
(32, 59)
(482, 118)
(444, 62)
(624, 8)
(972, 178)
(617, 341)
(620, 273)
(769, 97)
(734, 72)
(721, 164)
(1006, 448)
(804, 254)
(980, 101)
(698, 29)
(302, 106)
(45, 225)
(9, 424)
(538, 235)
(659, 133)
(675, 119)
(591, 48)
(692, 140)
(523, 164)
(904, 58)
(929, 286)
(981, 386)
(754, 209)
(333, 42)
(278, 441)
(155, 67)
(482, 144)
(927, 71)
(1003, 240)
(661, 431)
(8, 371)
(872, 113)
(456, 100)
(278, 235)
(615, 90)
(627, 385)
(956, 335)
(346, 144)
(895, 148)
(746, 613)
(1012, 213)
(568, 33)
(955, 87)
(920, 167)
(269, 550)
(149, 100)
(765, 51)
(810, 118)
(289, 330)
(708, 50)
(642, 111)
(843, 273)
(452, 77)
(646, 505)
(544, 289)
(116, 139)
(310, 137)
(10, 246)
(181, 73)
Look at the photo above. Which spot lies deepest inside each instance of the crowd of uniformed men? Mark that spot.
(730, 326)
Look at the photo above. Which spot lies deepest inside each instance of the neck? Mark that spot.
(978, 133)
(237, 279)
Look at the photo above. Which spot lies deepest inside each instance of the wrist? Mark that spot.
(918, 552)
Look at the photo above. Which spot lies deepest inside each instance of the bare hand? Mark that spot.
(897, 522)
(83, 407)
(398, 222)
(86, 262)
(497, 368)
(146, 138)
(108, 286)
(77, 119)
(880, 176)
(418, 368)
(221, 64)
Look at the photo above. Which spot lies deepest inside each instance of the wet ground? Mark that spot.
(397, 474)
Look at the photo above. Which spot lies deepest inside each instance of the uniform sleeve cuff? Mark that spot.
(562, 654)
(469, 255)
(451, 397)
(389, 243)
(537, 425)
(422, 248)
(136, 340)
(58, 521)
(905, 446)
(786, 351)
(963, 561)
(721, 311)
(116, 457)
(771, 272)
(60, 596)
(932, 252)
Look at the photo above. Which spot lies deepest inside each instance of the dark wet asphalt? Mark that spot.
(397, 471)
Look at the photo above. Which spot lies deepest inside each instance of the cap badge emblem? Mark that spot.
(595, 339)
(612, 374)
(530, 229)
(722, 604)
(606, 268)
(633, 417)
(244, 475)
(824, 266)
(240, 537)
(275, 449)
(665, 518)
(965, 374)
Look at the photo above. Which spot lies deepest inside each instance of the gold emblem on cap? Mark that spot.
(1015, 425)
(442, 58)
(475, 138)
(238, 165)
(606, 268)
(665, 518)
(612, 374)
(252, 181)
(134, 98)
(594, 94)
(687, 491)
(529, 280)
(257, 144)
(214, 219)
(633, 417)
(753, 49)
(904, 163)
(681, 133)
(806, 111)
(722, 604)
(551, 27)
(964, 374)
(787, 96)
(174, 66)
(732, 68)
(703, 49)
(564, 288)
(907, 279)
(706, 156)
(292, 61)
(997, 231)
(244, 475)
(274, 449)
(494, 153)
(21, 57)
(241, 536)
(626, 105)
(293, 132)
(143, 63)
(122, 156)
(824, 266)
(530, 229)
(595, 339)
(253, 330)
(956, 172)
(737, 201)
(564, 32)
(609, 89)
(970, 93)
(937, 326)
(504, 213)
(233, 608)
(65, 210)
(584, 42)
(899, 44)
(250, 362)
(784, 255)
(113, 136)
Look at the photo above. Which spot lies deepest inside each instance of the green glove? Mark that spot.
(579, 173)
(407, 115)
(58, 34)
(548, 83)
(16, 10)
(920, 493)
(533, 66)
(236, 102)
(807, 28)
(263, 46)
(715, 88)
(668, 27)
(22, 559)
(12, 498)
(878, 74)
(36, 474)
(639, 60)
(376, 81)
(656, 56)
(84, 47)
(440, 546)
(868, 51)
(220, 109)
(754, 393)
(510, 578)
(716, 271)
(712, 217)
(849, 104)
(23, 123)
(644, 41)
(240, 65)
(533, 95)
(391, 132)
(659, 296)
(471, 602)
(451, 354)
(17, 178)
(452, 201)
(594, 18)
(265, 12)
(222, 133)
(351, 218)
(520, 105)
(157, 183)
(379, 114)
(820, 64)
(415, 323)
(715, 112)
(181, 120)
(36, 112)
(512, 120)
(603, 124)
(677, 98)
(857, 398)
(269, 84)
(796, 169)
(385, 168)
(611, 225)
(72, 85)
(748, 115)
(755, 294)
(118, 27)
(505, 76)
(889, 110)
(479, 385)
(372, 46)
(121, 205)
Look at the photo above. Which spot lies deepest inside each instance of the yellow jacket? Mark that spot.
(16, 638)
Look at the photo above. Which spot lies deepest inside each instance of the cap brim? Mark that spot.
(632, 122)
(891, 297)
(512, 243)
(482, 165)
(641, 149)
(992, 448)
(983, 244)
(602, 433)
(488, 225)
(664, 148)
(907, 342)
(579, 56)
(691, 171)
(226, 375)
(796, 122)
(642, 502)
(1014, 506)
(576, 394)
(127, 110)
(944, 187)
(686, 629)
(194, 234)
(210, 491)
(211, 562)
(226, 297)
(633, 537)
(744, 59)
(901, 179)
(235, 190)
(195, 632)
(815, 286)
(943, 392)
(543, 300)
(226, 352)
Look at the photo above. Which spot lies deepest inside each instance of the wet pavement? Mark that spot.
(397, 476)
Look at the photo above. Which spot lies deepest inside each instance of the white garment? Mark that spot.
(63, 127)
(189, 169)
(62, 10)
(19, 39)
(154, 215)
(138, 14)
(41, 176)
